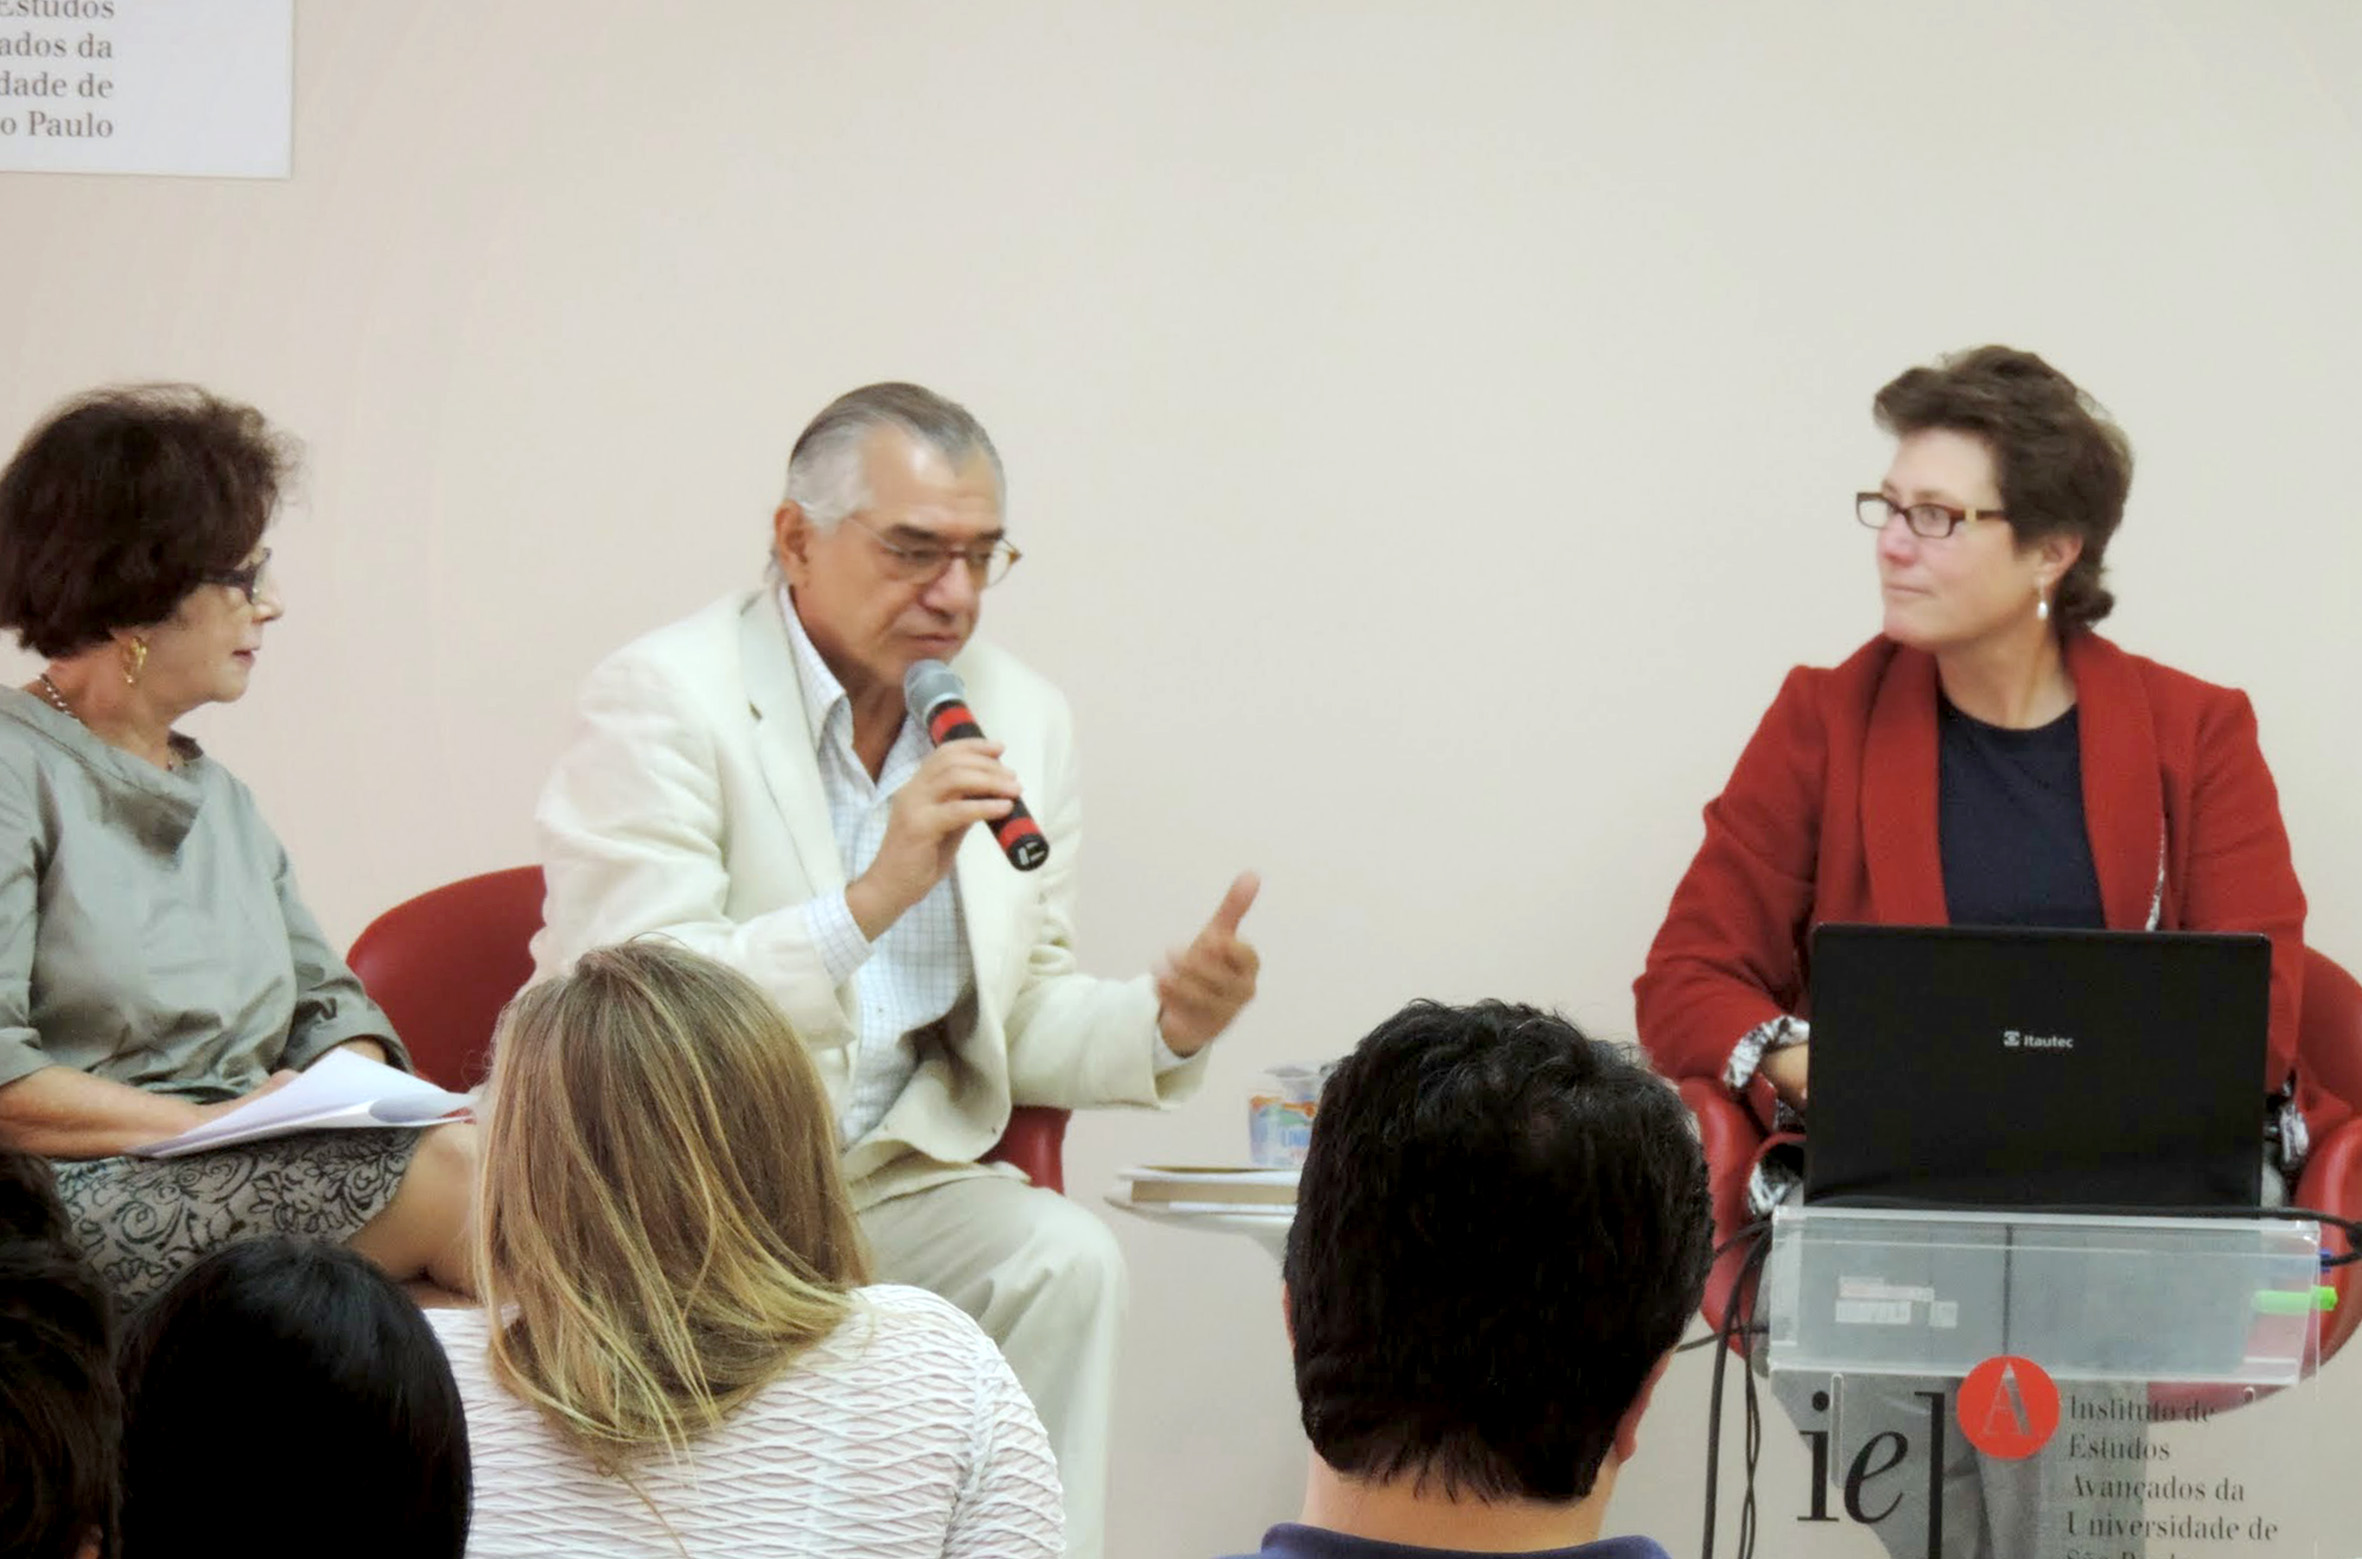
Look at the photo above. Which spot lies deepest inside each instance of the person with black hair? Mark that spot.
(60, 1416)
(308, 1359)
(1501, 1230)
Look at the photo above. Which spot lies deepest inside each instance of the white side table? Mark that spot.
(1268, 1229)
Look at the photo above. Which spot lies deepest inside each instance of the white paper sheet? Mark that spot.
(342, 1091)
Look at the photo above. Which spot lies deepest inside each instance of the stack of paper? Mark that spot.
(340, 1092)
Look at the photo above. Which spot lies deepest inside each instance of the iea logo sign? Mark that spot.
(2008, 1407)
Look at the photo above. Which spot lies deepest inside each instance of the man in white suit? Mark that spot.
(746, 782)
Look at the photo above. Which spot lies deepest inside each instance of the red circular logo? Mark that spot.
(2009, 1407)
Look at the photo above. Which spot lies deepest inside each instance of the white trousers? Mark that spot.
(1045, 1280)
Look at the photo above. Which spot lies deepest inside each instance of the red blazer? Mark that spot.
(1831, 815)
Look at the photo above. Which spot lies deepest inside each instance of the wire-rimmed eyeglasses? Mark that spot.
(988, 562)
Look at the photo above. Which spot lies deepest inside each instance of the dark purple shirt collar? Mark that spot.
(1291, 1541)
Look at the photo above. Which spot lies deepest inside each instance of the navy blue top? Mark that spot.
(2010, 819)
(1290, 1541)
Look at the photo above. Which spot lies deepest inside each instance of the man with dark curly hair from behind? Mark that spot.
(1501, 1232)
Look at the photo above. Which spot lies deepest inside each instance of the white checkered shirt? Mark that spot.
(915, 971)
(919, 968)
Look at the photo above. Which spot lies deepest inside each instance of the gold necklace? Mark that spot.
(171, 758)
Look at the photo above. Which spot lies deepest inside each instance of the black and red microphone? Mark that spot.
(938, 701)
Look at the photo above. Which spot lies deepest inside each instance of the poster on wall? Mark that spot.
(198, 88)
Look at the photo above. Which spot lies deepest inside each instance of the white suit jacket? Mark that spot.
(690, 805)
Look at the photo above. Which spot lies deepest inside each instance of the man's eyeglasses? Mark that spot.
(988, 562)
(246, 581)
(1934, 521)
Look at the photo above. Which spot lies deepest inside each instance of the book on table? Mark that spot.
(1208, 1188)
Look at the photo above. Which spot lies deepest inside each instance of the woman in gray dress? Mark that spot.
(157, 965)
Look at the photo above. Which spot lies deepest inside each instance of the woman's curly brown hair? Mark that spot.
(122, 501)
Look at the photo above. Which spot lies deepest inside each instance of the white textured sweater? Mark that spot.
(902, 1434)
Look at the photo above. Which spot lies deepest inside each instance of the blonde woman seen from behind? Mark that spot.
(677, 1354)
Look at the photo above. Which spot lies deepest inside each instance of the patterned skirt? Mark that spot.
(143, 1221)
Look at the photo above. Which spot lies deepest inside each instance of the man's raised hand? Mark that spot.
(1201, 988)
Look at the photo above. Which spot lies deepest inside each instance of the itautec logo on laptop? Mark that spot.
(2012, 1039)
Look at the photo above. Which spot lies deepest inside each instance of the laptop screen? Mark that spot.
(1956, 1066)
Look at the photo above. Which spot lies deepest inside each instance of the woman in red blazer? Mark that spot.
(1987, 750)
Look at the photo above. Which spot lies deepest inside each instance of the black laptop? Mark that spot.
(1961, 1067)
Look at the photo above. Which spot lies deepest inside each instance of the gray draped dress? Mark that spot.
(151, 933)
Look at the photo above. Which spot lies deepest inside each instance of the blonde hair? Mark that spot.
(661, 1203)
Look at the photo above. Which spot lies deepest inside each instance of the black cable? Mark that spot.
(1711, 1338)
(1751, 1231)
(1730, 1316)
(1733, 1326)
(1752, 1418)
(1752, 1437)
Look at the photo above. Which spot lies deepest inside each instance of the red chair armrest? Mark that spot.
(1731, 1139)
(2332, 1183)
(1035, 1142)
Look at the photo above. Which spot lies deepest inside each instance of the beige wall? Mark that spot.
(1430, 431)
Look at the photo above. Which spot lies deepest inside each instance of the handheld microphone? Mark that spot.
(938, 701)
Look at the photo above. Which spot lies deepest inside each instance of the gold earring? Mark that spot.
(135, 660)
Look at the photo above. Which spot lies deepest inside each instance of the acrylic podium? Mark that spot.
(2048, 1386)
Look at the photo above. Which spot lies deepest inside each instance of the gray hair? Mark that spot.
(825, 472)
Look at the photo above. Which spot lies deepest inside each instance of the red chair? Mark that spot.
(443, 964)
(1730, 1137)
(2328, 1049)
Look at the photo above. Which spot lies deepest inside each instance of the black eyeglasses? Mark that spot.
(988, 562)
(246, 581)
(1934, 521)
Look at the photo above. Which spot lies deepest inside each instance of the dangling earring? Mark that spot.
(135, 660)
(2041, 604)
